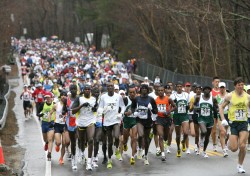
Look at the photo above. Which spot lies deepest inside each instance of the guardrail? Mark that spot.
(5, 111)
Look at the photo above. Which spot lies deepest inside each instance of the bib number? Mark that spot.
(182, 109)
(205, 112)
(240, 114)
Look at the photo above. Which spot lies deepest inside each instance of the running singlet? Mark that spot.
(59, 117)
(206, 109)
(162, 106)
(215, 93)
(238, 107)
(46, 110)
(181, 101)
(27, 96)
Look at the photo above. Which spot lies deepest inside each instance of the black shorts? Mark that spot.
(195, 118)
(165, 122)
(108, 128)
(237, 127)
(60, 128)
(147, 123)
(26, 104)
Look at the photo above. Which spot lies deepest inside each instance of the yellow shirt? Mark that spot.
(238, 107)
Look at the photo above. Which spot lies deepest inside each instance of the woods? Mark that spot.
(192, 37)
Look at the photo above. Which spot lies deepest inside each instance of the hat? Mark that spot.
(39, 85)
(222, 84)
(116, 87)
(87, 76)
(179, 83)
(195, 84)
(48, 95)
(248, 87)
(55, 81)
(198, 86)
(187, 84)
(25, 85)
(63, 93)
(73, 80)
(146, 77)
(122, 92)
(207, 87)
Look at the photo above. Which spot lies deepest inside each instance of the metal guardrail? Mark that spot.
(5, 106)
(151, 71)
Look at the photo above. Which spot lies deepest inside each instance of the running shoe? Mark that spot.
(226, 148)
(158, 152)
(163, 158)
(125, 147)
(139, 155)
(188, 151)
(68, 156)
(224, 153)
(94, 164)
(168, 149)
(109, 165)
(178, 154)
(61, 161)
(118, 154)
(215, 148)
(57, 148)
(46, 146)
(89, 167)
(183, 146)
(240, 169)
(204, 154)
(146, 161)
(132, 161)
(49, 156)
(73, 162)
(197, 151)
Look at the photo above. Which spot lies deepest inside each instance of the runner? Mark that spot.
(109, 106)
(181, 119)
(71, 124)
(223, 129)
(145, 108)
(163, 120)
(26, 97)
(47, 128)
(238, 102)
(208, 109)
(38, 95)
(61, 133)
(86, 106)
(215, 92)
(129, 124)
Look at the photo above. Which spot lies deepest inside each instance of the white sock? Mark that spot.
(89, 160)
(162, 153)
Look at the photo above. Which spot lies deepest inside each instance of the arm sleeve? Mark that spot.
(121, 105)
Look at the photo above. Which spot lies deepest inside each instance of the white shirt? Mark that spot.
(110, 106)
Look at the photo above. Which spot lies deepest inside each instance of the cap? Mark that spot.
(87, 76)
(187, 84)
(48, 95)
(116, 87)
(25, 85)
(195, 84)
(207, 87)
(73, 80)
(146, 77)
(39, 85)
(248, 87)
(55, 81)
(122, 92)
(222, 84)
(198, 86)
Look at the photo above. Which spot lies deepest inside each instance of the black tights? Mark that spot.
(72, 136)
(97, 138)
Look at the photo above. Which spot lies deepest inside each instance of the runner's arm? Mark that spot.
(173, 106)
(223, 105)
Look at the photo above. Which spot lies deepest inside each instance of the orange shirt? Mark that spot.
(162, 105)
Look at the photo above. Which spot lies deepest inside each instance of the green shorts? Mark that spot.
(179, 119)
(209, 122)
(129, 122)
(237, 127)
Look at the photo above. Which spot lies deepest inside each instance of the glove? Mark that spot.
(94, 109)
(51, 125)
(119, 116)
(153, 116)
(150, 106)
(40, 115)
(98, 124)
(136, 114)
(85, 104)
(224, 123)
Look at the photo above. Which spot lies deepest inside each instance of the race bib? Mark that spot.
(46, 115)
(240, 114)
(205, 112)
(182, 108)
(142, 113)
(161, 108)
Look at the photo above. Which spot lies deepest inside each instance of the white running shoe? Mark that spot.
(139, 155)
(120, 159)
(88, 166)
(188, 151)
(146, 161)
(240, 169)
(215, 148)
(225, 153)
(94, 164)
(204, 154)
(226, 148)
(73, 162)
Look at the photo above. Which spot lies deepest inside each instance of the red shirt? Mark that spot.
(38, 95)
(215, 93)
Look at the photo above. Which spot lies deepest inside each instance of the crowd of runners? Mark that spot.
(83, 97)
